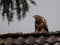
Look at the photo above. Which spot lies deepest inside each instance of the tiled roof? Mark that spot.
(30, 39)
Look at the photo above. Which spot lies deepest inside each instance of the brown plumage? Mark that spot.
(40, 24)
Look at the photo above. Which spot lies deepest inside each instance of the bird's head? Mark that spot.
(37, 17)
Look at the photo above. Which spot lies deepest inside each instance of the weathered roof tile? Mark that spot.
(31, 39)
(39, 40)
(9, 41)
(46, 44)
(57, 43)
(58, 39)
(51, 39)
(35, 44)
(19, 40)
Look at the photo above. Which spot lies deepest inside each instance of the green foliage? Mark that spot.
(9, 6)
(32, 2)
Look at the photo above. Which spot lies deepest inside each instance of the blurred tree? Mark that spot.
(20, 6)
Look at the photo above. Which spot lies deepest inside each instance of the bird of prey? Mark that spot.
(40, 24)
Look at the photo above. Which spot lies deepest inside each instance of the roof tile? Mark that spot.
(19, 40)
(40, 40)
(31, 39)
(46, 44)
(9, 41)
(57, 43)
(51, 39)
(58, 39)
